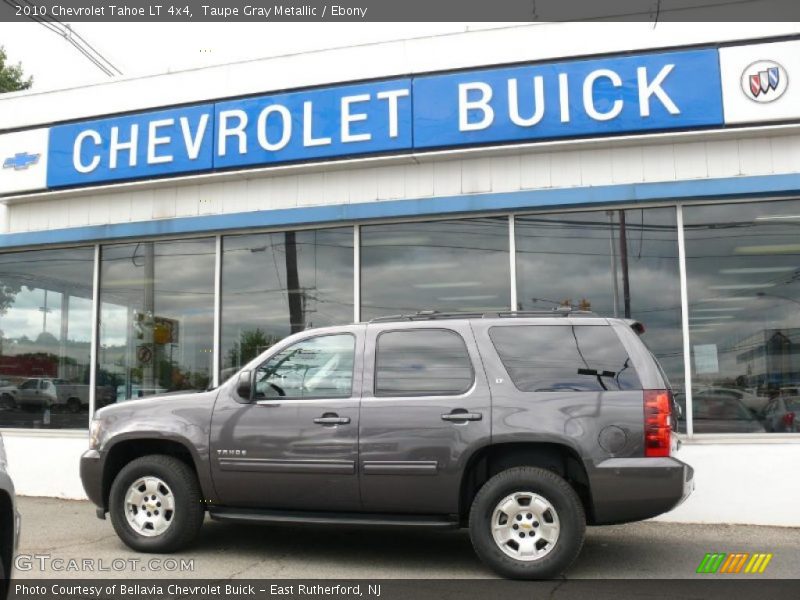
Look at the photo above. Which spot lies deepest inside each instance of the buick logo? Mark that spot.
(764, 81)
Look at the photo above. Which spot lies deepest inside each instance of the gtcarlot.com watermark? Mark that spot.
(47, 562)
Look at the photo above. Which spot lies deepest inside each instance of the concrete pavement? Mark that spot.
(64, 539)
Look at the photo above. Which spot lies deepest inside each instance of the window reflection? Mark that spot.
(564, 358)
(743, 270)
(45, 338)
(156, 317)
(276, 284)
(617, 263)
(320, 367)
(457, 265)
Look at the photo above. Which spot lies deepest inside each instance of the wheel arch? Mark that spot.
(489, 460)
(126, 450)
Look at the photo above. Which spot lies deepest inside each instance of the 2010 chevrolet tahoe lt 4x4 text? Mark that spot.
(522, 427)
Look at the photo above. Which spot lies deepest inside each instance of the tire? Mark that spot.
(7, 401)
(74, 405)
(179, 484)
(554, 511)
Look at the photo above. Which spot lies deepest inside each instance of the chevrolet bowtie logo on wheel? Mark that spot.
(20, 161)
(734, 563)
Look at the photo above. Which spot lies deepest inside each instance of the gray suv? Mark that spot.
(522, 427)
(9, 523)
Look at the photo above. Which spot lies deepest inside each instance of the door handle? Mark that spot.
(462, 416)
(331, 419)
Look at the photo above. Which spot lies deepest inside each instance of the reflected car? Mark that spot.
(752, 401)
(781, 414)
(137, 391)
(718, 413)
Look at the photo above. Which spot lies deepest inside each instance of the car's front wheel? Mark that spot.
(155, 504)
(527, 523)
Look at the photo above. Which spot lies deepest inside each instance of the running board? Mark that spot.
(244, 515)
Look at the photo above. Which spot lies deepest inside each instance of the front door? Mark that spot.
(425, 409)
(294, 446)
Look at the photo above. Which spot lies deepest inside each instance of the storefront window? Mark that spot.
(156, 318)
(45, 338)
(457, 265)
(276, 284)
(616, 263)
(743, 282)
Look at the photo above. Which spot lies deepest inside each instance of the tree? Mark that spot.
(11, 76)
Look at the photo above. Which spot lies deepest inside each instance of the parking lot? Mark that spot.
(56, 532)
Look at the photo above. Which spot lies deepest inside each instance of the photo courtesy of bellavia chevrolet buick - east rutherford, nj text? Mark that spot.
(474, 280)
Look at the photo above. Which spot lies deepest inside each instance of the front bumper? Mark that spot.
(633, 489)
(92, 477)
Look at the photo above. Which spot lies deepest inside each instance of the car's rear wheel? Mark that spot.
(155, 504)
(527, 523)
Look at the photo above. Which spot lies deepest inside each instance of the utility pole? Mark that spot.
(296, 320)
(623, 256)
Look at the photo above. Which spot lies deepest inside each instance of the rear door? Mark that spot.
(425, 408)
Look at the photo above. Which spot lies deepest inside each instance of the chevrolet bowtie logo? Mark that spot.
(20, 161)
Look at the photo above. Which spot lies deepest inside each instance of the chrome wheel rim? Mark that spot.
(149, 506)
(525, 526)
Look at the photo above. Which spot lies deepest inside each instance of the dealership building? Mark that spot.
(158, 232)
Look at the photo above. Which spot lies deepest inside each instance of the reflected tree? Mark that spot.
(252, 342)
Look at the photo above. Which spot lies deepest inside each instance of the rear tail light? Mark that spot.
(657, 422)
(788, 419)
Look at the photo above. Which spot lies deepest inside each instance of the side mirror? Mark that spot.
(244, 385)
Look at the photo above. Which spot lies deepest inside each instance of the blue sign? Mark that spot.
(578, 98)
(340, 121)
(594, 97)
(131, 147)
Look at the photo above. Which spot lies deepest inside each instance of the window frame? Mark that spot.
(422, 394)
(352, 335)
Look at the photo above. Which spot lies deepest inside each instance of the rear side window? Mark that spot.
(422, 362)
(554, 358)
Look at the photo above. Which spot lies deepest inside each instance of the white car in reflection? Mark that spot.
(718, 413)
(751, 400)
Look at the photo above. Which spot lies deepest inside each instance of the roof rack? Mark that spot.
(429, 315)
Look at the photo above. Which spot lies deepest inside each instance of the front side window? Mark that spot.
(422, 362)
(555, 358)
(319, 367)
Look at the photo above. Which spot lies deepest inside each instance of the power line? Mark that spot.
(72, 37)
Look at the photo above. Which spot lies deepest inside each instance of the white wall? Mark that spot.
(47, 463)
(755, 483)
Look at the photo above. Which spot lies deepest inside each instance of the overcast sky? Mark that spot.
(139, 49)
